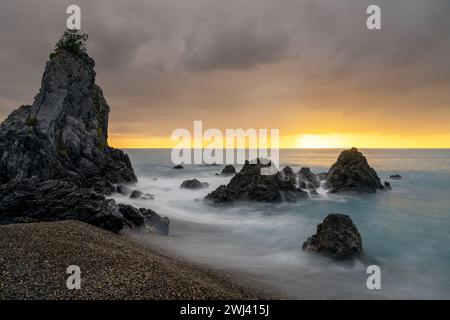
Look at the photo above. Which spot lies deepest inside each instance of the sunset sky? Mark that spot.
(310, 68)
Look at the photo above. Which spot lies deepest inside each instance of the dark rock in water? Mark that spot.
(229, 170)
(322, 176)
(352, 173)
(395, 177)
(154, 222)
(337, 238)
(249, 184)
(308, 179)
(147, 218)
(136, 194)
(122, 189)
(131, 214)
(56, 163)
(387, 185)
(194, 184)
(178, 167)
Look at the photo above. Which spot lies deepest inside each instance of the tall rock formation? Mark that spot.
(55, 162)
(64, 134)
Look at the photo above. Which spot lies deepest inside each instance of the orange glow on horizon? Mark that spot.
(332, 140)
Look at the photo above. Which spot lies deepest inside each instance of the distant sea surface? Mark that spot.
(405, 231)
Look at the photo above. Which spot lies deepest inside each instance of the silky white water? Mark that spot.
(405, 231)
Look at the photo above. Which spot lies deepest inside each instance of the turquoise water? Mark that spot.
(405, 231)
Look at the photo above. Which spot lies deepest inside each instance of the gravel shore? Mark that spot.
(34, 258)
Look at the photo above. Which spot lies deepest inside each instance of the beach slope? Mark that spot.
(34, 258)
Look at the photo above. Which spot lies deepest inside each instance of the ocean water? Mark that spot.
(405, 231)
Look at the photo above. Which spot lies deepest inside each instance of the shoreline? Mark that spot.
(34, 258)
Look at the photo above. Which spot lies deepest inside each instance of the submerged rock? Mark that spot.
(194, 184)
(336, 238)
(249, 184)
(395, 177)
(136, 194)
(228, 170)
(352, 173)
(178, 167)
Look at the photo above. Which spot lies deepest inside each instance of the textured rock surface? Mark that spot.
(337, 238)
(250, 184)
(194, 184)
(307, 179)
(352, 173)
(63, 135)
(55, 160)
(228, 170)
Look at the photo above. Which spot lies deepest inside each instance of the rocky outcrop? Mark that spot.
(395, 177)
(56, 163)
(228, 170)
(145, 217)
(64, 134)
(178, 167)
(32, 200)
(307, 179)
(194, 184)
(352, 173)
(336, 238)
(249, 184)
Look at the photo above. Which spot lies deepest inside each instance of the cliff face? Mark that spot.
(64, 134)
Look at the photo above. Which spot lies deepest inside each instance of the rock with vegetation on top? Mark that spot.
(56, 163)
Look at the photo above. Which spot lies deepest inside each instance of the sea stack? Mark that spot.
(56, 162)
(352, 173)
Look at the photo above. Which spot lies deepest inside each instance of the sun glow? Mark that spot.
(322, 141)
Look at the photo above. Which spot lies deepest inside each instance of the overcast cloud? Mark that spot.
(290, 63)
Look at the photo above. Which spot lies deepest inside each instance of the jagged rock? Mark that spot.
(228, 170)
(387, 185)
(352, 173)
(322, 176)
(178, 167)
(250, 184)
(395, 177)
(31, 200)
(55, 160)
(194, 184)
(63, 135)
(337, 238)
(308, 179)
(145, 217)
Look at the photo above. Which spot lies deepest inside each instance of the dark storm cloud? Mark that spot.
(158, 55)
